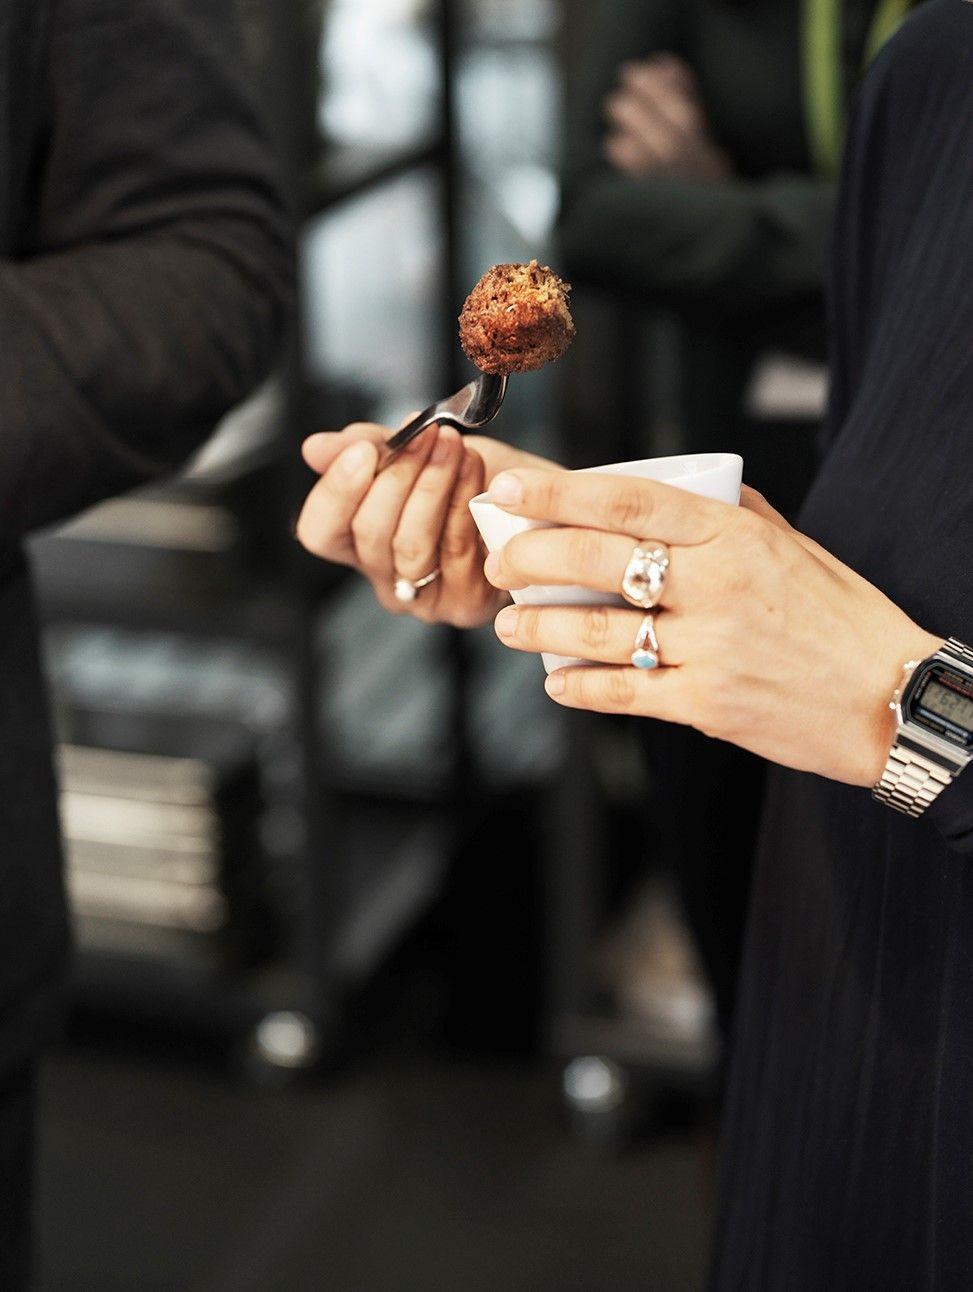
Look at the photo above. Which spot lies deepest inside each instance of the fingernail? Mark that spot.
(506, 622)
(506, 490)
(442, 452)
(491, 566)
(353, 459)
(555, 684)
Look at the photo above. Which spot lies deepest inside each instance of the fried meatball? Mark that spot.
(516, 319)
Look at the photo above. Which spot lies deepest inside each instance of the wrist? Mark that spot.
(914, 645)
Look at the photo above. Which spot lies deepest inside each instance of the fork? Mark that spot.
(470, 409)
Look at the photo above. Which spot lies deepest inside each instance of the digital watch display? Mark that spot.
(940, 700)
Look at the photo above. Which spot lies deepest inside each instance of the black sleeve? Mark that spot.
(150, 297)
(738, 249)
(952, 813)
(742, 248)
(876, 192)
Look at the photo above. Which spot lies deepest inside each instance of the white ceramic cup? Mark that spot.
(711, 475)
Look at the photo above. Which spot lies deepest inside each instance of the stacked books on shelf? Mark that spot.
(148, 866)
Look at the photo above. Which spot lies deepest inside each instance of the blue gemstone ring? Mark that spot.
(647, 654)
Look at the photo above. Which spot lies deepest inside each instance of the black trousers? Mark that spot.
(17, 1103)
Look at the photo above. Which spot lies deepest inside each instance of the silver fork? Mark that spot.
(470, 409)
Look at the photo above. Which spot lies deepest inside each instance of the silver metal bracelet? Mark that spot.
(963, 653)
(912, 780)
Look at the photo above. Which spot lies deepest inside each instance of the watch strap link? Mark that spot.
(960, 652)
(912, 782)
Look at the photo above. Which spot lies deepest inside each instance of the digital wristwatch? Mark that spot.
(934, 735)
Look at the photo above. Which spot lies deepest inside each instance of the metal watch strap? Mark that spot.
(912, 781)
(963, 653)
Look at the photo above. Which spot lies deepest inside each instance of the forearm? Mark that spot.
(118, 359)
(733, 249)
(148, 291)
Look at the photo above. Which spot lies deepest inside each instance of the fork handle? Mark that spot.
(402, 439)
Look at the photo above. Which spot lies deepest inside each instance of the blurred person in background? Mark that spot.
(144, 271)
(700, 178)
(849, 1123)
(703, 144)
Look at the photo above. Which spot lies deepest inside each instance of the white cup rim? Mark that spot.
(714, 462)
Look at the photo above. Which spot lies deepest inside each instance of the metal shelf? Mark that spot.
(345, 173)
(174, 993)
(356, 878)
(398, 859)
(261, 616)
(629, 1041)
(215, 594)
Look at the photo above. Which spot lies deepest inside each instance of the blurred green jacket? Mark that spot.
(749, 251)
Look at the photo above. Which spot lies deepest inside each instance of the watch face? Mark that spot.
(940, 700)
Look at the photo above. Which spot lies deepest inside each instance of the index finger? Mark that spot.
(641, 509)
(321, 449)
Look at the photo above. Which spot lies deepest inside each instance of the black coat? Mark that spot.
(849, 1126)
(742, 264)
(144, 267)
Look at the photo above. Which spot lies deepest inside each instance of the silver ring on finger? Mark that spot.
(644, 581)
(407, 590)
(647, 654)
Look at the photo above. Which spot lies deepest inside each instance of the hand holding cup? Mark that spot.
(766, 640)
(713, 475)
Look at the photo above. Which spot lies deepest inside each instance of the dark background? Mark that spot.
(346, 888)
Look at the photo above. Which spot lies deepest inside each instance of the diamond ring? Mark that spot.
(645, 576)
(646, 654)
(407, 590)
